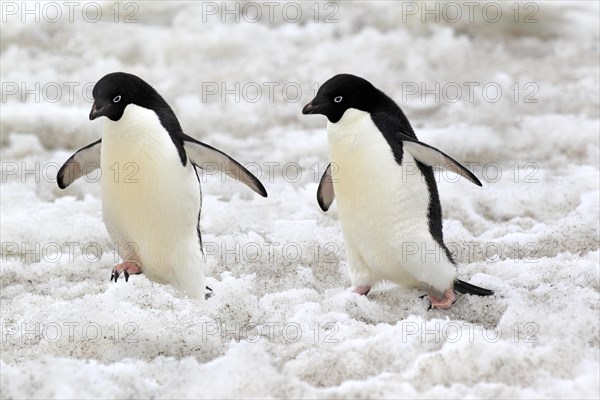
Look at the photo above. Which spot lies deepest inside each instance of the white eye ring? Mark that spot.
(338, 99)
(117, 99)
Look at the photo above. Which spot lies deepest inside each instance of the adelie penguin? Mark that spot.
(388, 205)
(151, 198)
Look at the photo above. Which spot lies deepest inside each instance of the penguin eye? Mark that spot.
(338, 99)
(117, 99)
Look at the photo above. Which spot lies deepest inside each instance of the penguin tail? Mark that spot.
(465, 287)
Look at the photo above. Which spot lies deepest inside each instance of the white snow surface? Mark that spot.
(283, 322)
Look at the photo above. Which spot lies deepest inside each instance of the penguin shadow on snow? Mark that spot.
(390, 304)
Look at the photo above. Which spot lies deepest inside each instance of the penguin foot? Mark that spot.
(128, 268)
(446, 302)
(362, 290)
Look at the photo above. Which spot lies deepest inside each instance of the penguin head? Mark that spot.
(115, 91)
(342, 92)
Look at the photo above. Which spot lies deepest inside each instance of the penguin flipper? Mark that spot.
(431, 156)
(466, 287)
(325, 193)
(203, 156)
(84, 161)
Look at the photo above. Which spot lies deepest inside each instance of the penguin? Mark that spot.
(388, 205)
(150, 186)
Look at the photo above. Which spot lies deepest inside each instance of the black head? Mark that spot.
(115, 91)
(342, 92)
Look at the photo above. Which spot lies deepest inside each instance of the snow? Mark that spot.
(282, 322)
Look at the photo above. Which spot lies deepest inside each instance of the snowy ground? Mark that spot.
(282, 322)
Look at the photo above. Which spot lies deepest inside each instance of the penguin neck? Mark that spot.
(136, 123)
(350, 129)
(137, 136)
(145, 130)
(355, 146)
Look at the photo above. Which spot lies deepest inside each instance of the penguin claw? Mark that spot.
(128, 268)
(443, 303)
(208, 295)
(362, 290)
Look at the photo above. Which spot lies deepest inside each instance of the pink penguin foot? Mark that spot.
(128, 268)
(446, 302)
(362, 290)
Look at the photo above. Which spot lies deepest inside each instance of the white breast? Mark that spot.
(150, 201)
(383, 208)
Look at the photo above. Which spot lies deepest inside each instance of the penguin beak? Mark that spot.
(309, 108)
(96, 112)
